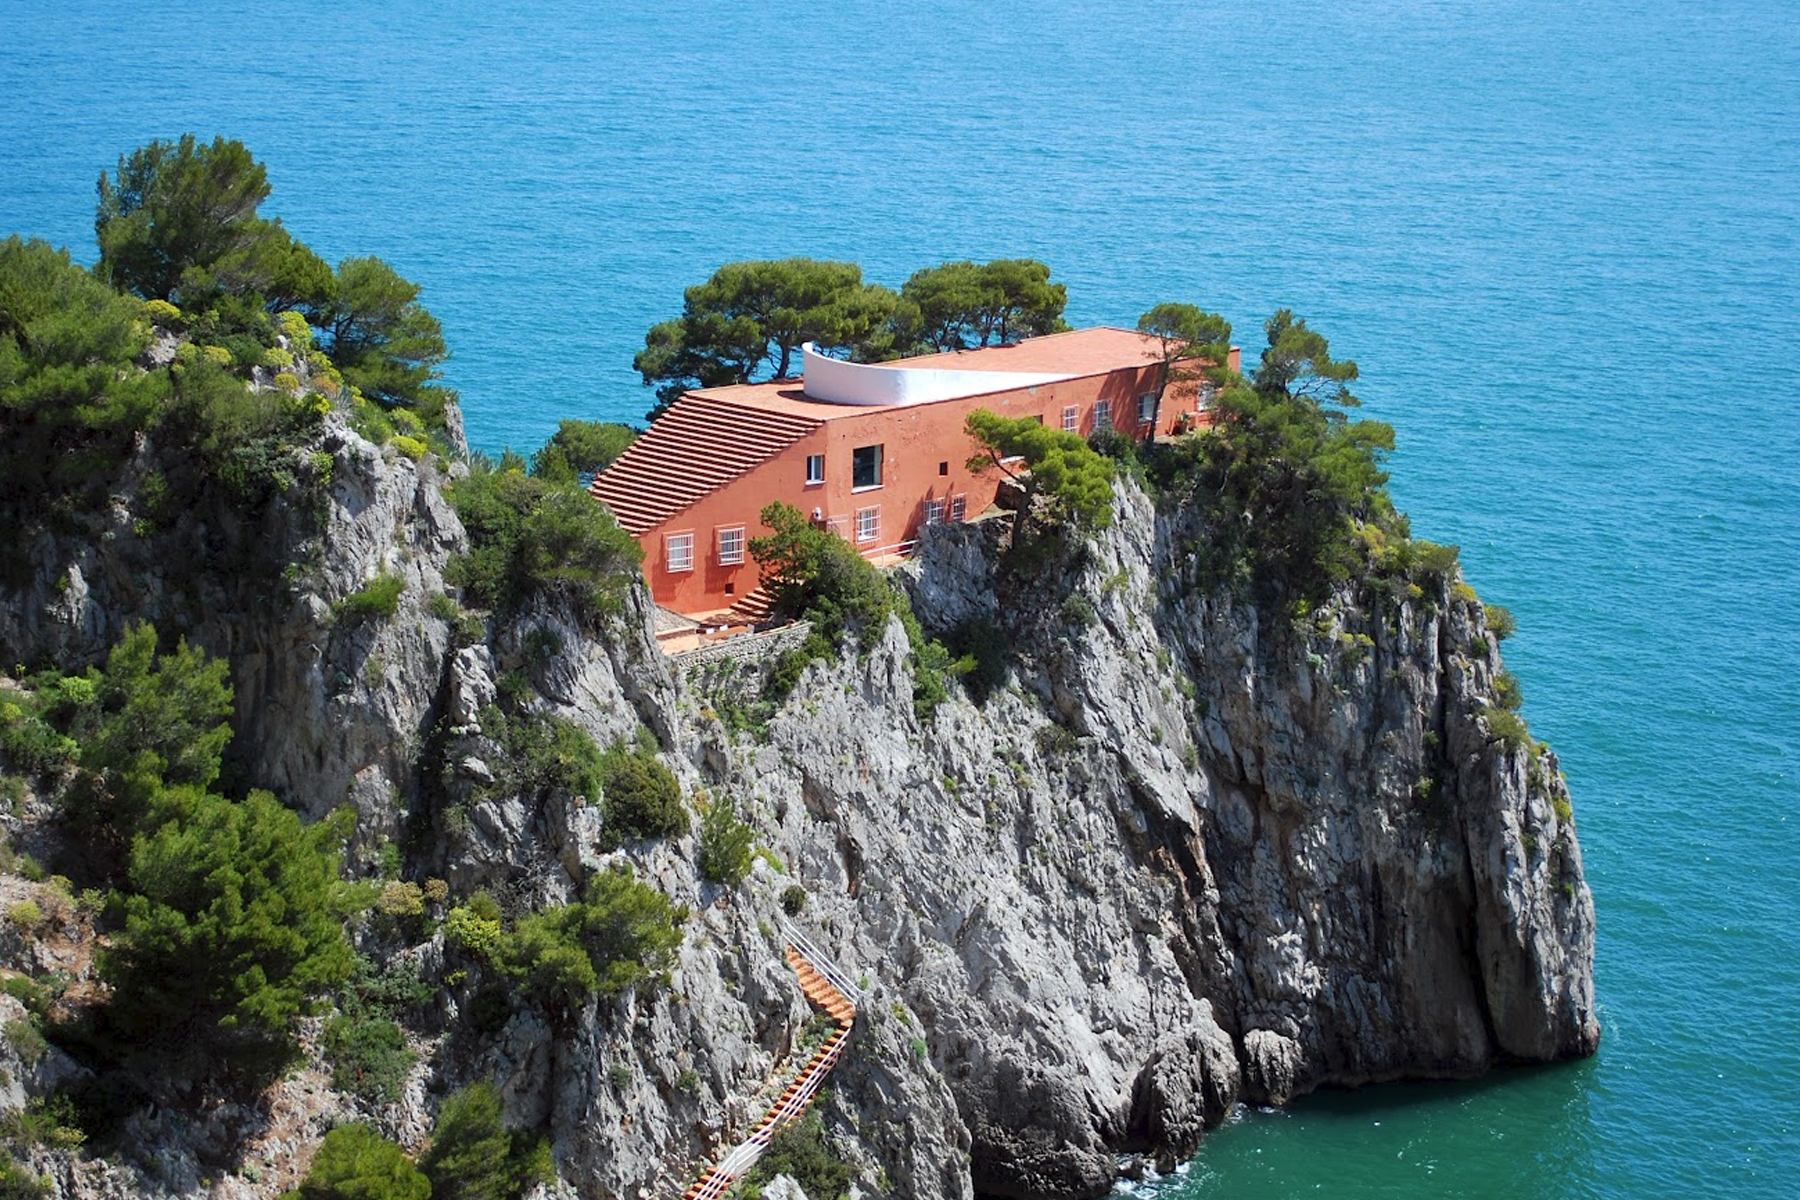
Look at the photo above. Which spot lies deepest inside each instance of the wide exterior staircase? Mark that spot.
(698, 446)
(827, 988)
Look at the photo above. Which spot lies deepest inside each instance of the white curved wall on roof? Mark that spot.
(838, 382)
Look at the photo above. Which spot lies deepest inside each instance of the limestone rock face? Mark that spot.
(1188, 853)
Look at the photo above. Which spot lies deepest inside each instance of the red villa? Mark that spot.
(872, 451)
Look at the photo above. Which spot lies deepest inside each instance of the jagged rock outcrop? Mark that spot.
(1191, 853)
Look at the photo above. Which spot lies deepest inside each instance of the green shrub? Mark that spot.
(294, 328)
(1500, 622)
(623, 932)
(354, 1162)
(234, 918)
(443, 607)
(368, 1056)
(161, 312)
(473, 1156)
(531, 536)
(47, 1121)
(640, 798)
(288, 382)
(1078, 611)
(26, 991)
(371, 421)
(1282, 482)
(541, 751)
(30, 744)
(793, 899)
(380, 597)
(799, 1152)
(18, 1183)
(581, 448)
(155, 719)
(411, 447)
(1436, 560)
(26, 914)
(813, 572)
(725, 844)
(1507, 691)
(1507, 726)
(401, 900)
(468, 930)
(26, 1040)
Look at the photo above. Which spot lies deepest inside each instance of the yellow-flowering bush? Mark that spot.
(277, 358)
(288, 382)
(217, 354)
(161, 312)
(294, 328)
(412, 447)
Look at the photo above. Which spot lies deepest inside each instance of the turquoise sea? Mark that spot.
(1563, 241)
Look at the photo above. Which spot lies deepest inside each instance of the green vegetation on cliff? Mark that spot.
(229, 912)
(747, 323)
(536, 536)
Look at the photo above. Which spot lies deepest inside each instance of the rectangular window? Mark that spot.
(865, 467)
(1146, 407)
(680, 548)
(959, 506)
(934, 512)
(731, 546)
(815, 469)
(868, 524)
(1071, 418)
(1103, 414)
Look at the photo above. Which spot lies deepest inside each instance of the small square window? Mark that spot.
(865, 467)
(680, 550)
(1071, 418)
(731, 546)
(815, 469)
(959, 506)
(934, 512)
(868, 524)
(1146, 407)
(1103, 414)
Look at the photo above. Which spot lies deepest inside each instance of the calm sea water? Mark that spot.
(1561, 239)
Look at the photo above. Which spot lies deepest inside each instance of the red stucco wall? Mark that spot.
(924, 455)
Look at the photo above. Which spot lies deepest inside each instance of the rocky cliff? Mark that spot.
(1185, 853)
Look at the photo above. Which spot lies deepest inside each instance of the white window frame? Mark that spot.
(1146, 407)
(731, 545)
(934, 511)
(678, 551)
(1102, 415)
(1071, 418)
(959, 509)
(815, 460)
(868, 524)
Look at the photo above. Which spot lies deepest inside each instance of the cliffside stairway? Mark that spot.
(828, 988)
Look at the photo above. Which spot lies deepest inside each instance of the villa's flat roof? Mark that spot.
(1077, 353)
